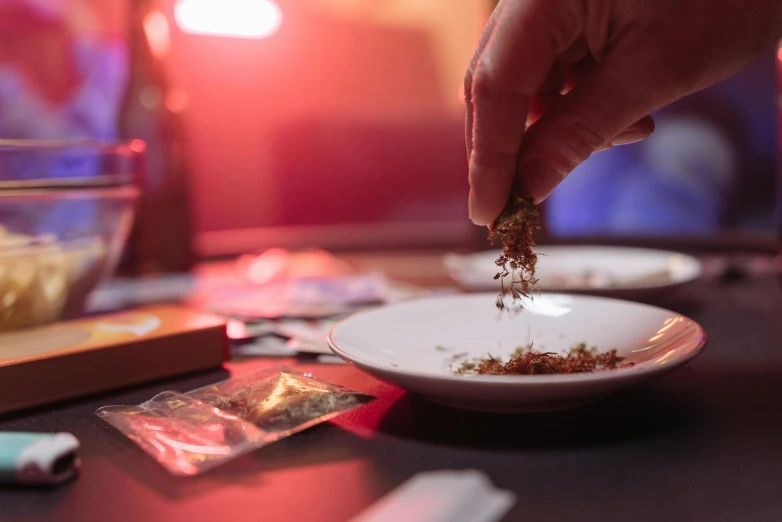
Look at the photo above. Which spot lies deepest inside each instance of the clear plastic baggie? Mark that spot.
(197, 431)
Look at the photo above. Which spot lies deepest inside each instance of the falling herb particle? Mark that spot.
(441, 348)
(514, 228)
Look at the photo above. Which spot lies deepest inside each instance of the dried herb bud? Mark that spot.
(525, 361)
(515, 228)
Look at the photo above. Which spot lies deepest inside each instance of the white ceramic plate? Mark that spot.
(610, 271)
(399, 344)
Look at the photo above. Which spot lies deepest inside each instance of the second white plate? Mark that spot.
(599, 270)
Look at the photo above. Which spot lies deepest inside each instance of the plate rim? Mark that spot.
(526, 380)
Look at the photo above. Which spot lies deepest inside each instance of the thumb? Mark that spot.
(606, 109)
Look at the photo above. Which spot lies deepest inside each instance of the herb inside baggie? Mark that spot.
(287, 401)
(515, 228)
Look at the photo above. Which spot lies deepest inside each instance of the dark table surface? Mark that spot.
(703, 443)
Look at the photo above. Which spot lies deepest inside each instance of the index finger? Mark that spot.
(518, 56)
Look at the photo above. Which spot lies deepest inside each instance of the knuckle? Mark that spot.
(487, 85)
(483, 83)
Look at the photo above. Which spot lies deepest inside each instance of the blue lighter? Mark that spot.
(37, 458)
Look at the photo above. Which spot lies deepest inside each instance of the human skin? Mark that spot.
(553, 82)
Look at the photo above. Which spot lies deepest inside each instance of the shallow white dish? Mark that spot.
(599, 270)
(399, 344)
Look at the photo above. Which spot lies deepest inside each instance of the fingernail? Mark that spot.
(539, 179)
(472, 205)
(628, 137)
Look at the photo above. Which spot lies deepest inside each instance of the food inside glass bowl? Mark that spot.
(43, 279)
(66, 209)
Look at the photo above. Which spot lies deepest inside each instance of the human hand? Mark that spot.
(554, 81)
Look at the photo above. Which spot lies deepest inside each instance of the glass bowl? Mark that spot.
(66, 209)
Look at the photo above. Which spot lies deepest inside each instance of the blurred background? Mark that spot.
(339, 124)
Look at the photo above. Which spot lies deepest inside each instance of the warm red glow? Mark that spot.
(137, 146)
(779, 54)
(158, 36)
(176, 100)
(236, 18)
(267, 266)
(236, 329)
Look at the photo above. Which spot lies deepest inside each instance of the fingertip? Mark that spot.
(477, 214)
(490, 187)
(638, 131)
(645, 125)
(471, 208)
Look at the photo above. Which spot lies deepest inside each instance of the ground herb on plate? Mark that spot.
(526, 361)
(514, 228)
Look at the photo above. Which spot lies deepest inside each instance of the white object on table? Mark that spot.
(306, 336)
(442, 496)
(297, 297)
(260, 329)
(265, 346)
(300, 346)
(329, 359)
(272, 346)
(417, 344)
